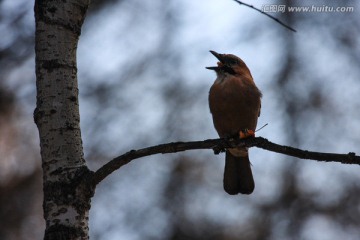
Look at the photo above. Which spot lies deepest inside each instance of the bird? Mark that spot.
(235, 104)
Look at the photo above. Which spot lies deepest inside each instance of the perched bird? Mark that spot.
(235, 104)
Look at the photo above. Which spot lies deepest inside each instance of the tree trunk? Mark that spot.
(66, 194)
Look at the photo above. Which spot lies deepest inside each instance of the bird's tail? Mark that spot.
(238, 177)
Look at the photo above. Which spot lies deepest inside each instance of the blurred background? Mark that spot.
(143, 82)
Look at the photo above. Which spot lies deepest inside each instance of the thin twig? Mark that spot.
(260, 11)
(261, 127)
(221, 144)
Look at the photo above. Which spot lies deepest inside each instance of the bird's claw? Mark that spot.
(246, 133)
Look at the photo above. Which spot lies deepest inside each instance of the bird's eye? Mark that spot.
(233, 61)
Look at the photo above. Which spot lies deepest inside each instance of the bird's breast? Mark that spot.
(235, 104)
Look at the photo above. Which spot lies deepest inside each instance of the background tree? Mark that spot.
(309, 80)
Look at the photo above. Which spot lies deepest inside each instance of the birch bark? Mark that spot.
(66, 200)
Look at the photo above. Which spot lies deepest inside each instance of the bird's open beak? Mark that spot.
(217, 55)
(219, 64)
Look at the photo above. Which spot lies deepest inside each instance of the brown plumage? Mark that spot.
(235, 103)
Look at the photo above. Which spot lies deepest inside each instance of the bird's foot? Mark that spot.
(246, 133)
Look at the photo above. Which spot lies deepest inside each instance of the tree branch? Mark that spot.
(260, 11)
(218, 145)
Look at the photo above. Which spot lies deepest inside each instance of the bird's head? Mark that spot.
(229, 63)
